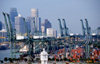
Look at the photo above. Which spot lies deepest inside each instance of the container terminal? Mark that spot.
(66, 49)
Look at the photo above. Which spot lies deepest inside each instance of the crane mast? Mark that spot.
(10, 27)
(87, 39)
(7, 28)
(83, 28)
(61, 29)
(12, 36)
(65, 28)
(11, 33)
(87, 28)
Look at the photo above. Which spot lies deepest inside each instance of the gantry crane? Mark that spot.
(7, 28)
(11, 32)
(29, 40)
(65, 28)
(88, 29)
(13, 36)
(64, 32)
(83, 28)
(88, 35)
(61, 29)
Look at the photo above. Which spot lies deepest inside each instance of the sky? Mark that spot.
(71, 10)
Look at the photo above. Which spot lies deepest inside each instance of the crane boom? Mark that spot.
(12, 32)
(61, 29)
(87, 27)
(8, 31)
(9, 22)
(87, 39)
(12, 36)
(83, 28)
(65, 28)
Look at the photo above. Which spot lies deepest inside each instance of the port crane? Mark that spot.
(88, 35)
(83, 28)
(64, 33)
(28, 41)
(45, 42)
(63, 30)
(8, 32)
(11, 33)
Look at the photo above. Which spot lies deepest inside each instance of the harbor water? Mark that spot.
(4, 53)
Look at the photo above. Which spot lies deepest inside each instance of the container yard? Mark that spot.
(66, 49)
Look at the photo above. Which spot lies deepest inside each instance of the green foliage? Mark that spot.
(5, 59)
(1, 61)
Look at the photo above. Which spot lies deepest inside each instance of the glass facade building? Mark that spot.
(20, 25)
(0, 25)
(13, 14)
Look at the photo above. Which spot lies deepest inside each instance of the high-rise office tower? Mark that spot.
(34, 12)
(30, 24)
(0, 25)
(36, 20)
(20, 25)
(13, 14)
(98, 31)
(51, 32)
(46, 25)
(39, 25)
(42, 28)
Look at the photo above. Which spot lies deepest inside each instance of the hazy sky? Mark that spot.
(71, 10)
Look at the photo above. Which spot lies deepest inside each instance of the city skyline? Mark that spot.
(71, 10)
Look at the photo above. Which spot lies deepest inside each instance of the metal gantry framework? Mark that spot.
(61, 29)
(36, 45)
(86, 34)
(11, 32)
(83, 28)
(87, 39)
(28, 41)
(64, 29)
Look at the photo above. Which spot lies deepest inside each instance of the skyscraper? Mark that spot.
(39, 25)
(98, 31)
(13, 14)
(36, 20)
(34, 12)
(51, 32)
(0, 25)
(20, 25)
(42, 28)
(30, 24)
(46, 25)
